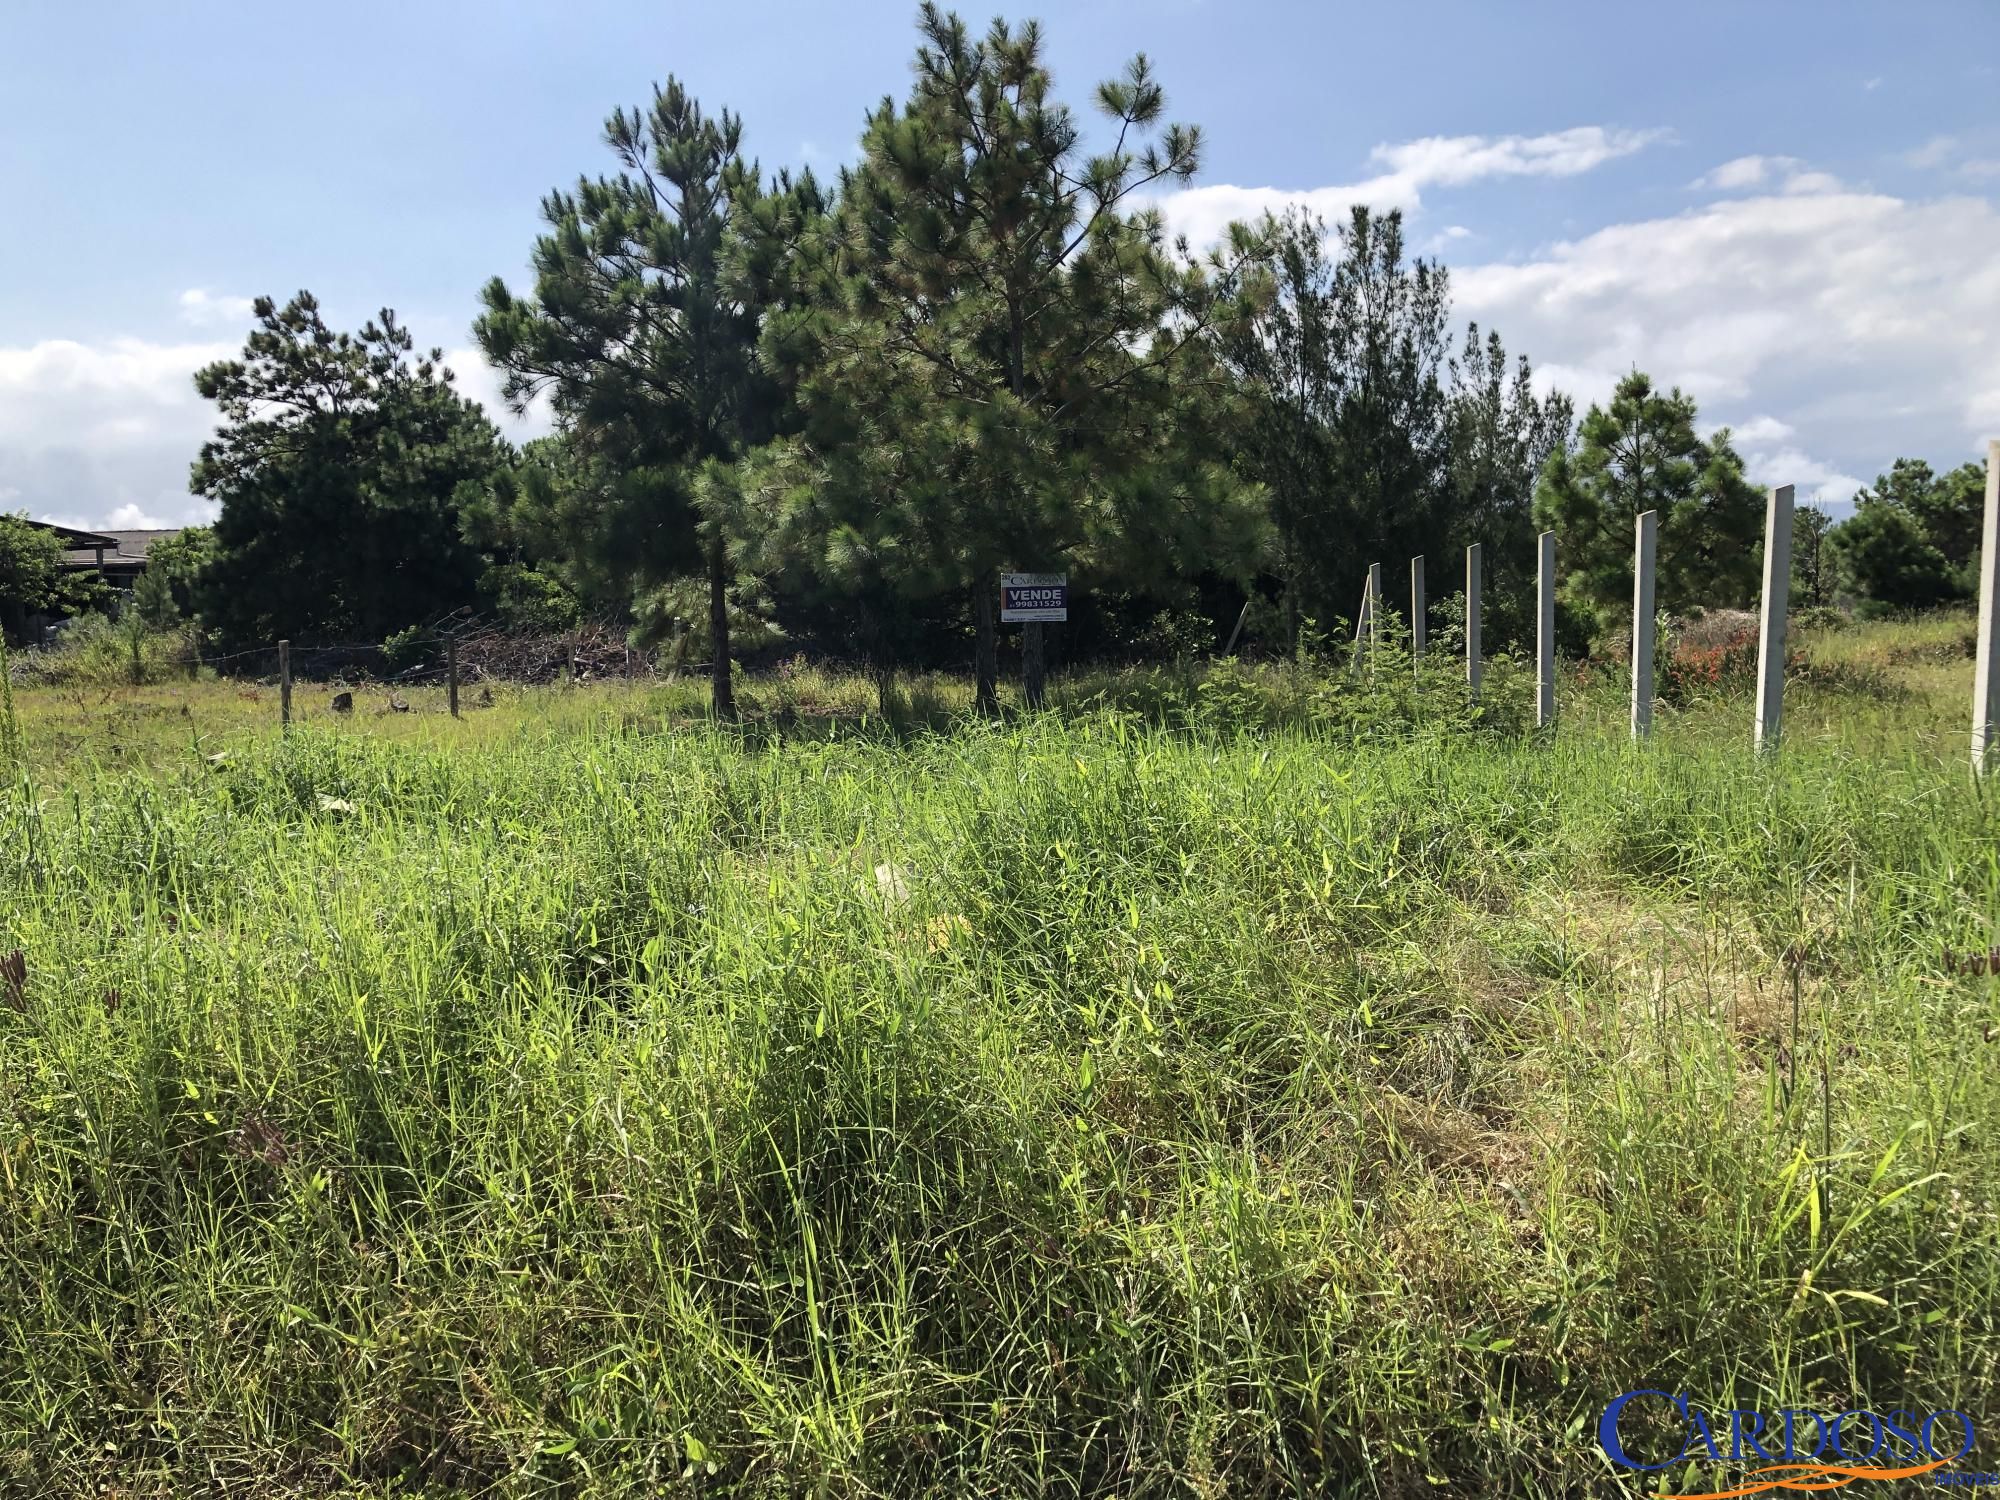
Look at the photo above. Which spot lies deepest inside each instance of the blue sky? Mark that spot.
(1791, 209)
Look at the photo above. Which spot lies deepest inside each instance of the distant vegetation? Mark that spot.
(795, 414)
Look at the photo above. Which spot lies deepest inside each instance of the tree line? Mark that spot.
(835, 411)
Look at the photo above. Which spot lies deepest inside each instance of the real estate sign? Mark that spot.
(1034, 596)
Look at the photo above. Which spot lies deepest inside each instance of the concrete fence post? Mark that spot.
(1771, 616)
(1417, 608)
(1985, 677)
(1474, 669)
(284, 684)
(1645, 556)
(1545, 632)
(1374, 611)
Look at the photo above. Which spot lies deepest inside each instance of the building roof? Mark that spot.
(73, 538)
(114, 551)
(134, 543)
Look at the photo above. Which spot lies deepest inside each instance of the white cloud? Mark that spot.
(86, 429)
(103, 434)
(1863, 318)
(1451, 234)
(1869, 85)
(476, 379)
(1759, 429)
(204, 309)
(1934, 152)
(128, 518)
(1744, 172)
(1821, 483)
(1451, 161)
(1204, 214)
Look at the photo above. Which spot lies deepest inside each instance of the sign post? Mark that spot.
(1034, 599)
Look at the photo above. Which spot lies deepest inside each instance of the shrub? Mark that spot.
(95, 651)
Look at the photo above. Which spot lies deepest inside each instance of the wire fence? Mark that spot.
(482, 649)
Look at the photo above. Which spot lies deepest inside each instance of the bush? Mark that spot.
(1819, 617)
(1713, 655)
(96, 651)
(405, 649)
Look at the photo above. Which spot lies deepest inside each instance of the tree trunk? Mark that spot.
(718, 629)
(985, 646)
(1034, 665)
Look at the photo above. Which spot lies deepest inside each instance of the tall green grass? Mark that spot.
(1122, 1103)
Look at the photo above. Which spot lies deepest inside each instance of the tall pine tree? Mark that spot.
(1640, 452)
(646, 343)
(992, 368)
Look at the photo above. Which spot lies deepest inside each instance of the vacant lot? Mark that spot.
(1232, 1083)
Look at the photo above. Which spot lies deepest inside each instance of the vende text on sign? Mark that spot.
(1034, 596)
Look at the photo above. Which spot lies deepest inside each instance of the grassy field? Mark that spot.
(1232, 1083)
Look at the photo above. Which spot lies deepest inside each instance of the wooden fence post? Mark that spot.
(1986, 673)
(1360, 630)
(1545, 631)
(1771, 616)
(284, 684)
(451, 670)
(1474, 668)
(1645, 555)
(1417, 608)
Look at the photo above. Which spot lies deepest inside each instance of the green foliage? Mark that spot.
(1000, 363)
(175, 562)
(1813, 566)
(1364, 449)
(1499, 437)
(1885, 557)
(32, 579)
(153, 601)
(645, 336)
(528, 600)
(96, 651)
(410, 648)
(342, 467)
(1913, 540)
(10, 725)
(1636, 454)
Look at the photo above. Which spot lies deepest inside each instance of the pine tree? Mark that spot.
(1499, 437)
(646, 342)
(991, 369)
(1913, 540)
(1348, 415)
(342, 468)
(1640, 452)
